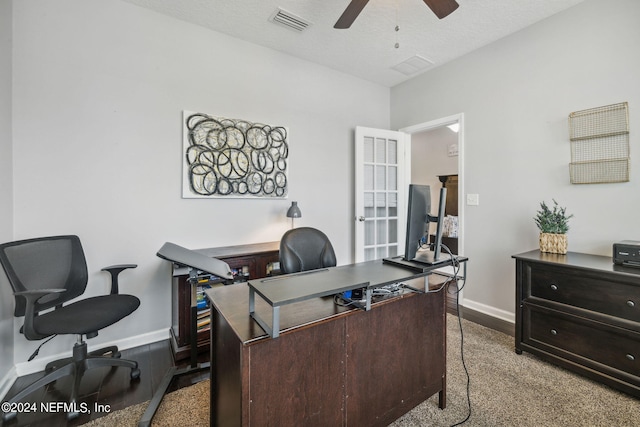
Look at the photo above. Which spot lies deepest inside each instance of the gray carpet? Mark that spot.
(506, 390)
(517, 390)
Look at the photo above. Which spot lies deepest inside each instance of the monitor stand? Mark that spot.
(423, 261)
(428, 257)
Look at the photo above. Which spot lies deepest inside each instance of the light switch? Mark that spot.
(473, 199)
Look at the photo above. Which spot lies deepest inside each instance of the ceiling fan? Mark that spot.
(442, 8)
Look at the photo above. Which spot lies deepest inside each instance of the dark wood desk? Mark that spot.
(330, 365)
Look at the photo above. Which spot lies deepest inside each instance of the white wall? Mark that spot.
(516, 95)
(99, 90)
(6, 193)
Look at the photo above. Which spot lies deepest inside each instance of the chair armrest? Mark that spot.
(115, 270)
(32, 296)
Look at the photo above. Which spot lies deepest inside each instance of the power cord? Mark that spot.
(455, 279)
(35, 353)
(464, 365)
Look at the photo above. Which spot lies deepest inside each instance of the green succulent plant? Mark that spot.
(553, 220)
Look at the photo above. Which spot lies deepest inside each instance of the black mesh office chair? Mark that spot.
(46, 273)
(305, 248)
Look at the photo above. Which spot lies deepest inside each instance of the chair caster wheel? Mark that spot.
(135, 374)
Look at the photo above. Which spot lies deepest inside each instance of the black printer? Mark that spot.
(627, 252)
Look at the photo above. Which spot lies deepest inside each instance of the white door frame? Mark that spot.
(421, 127)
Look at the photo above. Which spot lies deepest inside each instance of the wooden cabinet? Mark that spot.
(246, 261)
(332, 365)
(581, 312)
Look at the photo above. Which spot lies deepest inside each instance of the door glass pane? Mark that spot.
(393, 178)
(393, 231)
(368, 149)
(393, 204)
(369, 233)
(382, 252)
(381, 177)
(393, 251)
(393, 152)
(369, 254)
(381, 232)
(381, 204)
(369, 210)
(381, 150)
(368, 177)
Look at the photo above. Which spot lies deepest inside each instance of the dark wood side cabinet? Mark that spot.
(580, 312)
(249, 261)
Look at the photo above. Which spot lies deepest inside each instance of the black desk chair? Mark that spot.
(46, 273)
(305, 248)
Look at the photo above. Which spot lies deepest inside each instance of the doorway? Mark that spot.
(435, 157)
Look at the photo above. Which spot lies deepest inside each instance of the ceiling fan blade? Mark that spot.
(442, 8)
(350, 13)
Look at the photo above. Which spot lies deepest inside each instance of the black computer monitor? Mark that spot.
(419, 206)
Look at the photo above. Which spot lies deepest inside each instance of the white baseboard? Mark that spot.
(38, 364)
(489, 310)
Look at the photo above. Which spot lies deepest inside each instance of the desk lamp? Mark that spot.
(294, 212)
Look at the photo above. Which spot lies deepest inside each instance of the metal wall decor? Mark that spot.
(228, 158)
(600, 144)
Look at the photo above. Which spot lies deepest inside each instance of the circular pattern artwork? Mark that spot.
(234, 158)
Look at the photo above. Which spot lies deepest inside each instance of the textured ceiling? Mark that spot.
(367, 49)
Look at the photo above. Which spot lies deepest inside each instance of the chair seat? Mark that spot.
(87, 315)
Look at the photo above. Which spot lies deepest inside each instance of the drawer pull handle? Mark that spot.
(631, 303)
(631, 357)
(554, 332)
(554, 287)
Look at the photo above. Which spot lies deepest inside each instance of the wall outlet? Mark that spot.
(473, 199)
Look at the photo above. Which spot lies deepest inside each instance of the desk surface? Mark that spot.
(282, 290)
(232, 302)
(240, 250)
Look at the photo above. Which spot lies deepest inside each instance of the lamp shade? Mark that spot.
(294, 211)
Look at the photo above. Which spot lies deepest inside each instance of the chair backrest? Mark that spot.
(45, 263)
(305, 248)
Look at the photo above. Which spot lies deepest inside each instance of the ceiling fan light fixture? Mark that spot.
(441, 8)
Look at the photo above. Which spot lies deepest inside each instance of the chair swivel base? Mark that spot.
(76, 366)
(111, 352)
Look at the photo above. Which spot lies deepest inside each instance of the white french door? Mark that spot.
(381, 182)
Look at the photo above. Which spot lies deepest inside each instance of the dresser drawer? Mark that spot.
(618, 297)
(577, 339)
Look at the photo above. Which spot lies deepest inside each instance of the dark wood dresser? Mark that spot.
(580, 312)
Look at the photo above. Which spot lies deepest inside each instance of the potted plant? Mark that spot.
(553, 224)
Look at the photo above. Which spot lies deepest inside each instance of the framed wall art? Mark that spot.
(233, 158)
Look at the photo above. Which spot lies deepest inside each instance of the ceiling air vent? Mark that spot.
(289, 20)
(413, 65)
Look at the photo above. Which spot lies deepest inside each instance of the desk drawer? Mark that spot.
(577, 339)
(617, 298)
